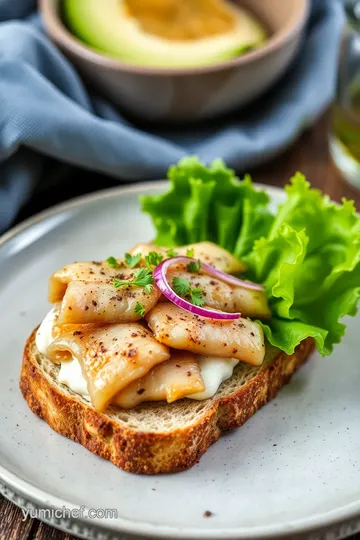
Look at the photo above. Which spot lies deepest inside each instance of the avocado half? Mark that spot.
(106, 26)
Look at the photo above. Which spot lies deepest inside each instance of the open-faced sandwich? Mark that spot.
(146, 358)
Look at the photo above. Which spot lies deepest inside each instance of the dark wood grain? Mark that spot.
(309, 155)
(13, 526)
(45, 532)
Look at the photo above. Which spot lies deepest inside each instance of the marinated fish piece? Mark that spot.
(102, 303)
(145, 249)
(49, 330)
(169, 381)
(111, 357)
(220, 295)
(61, 329)
(251, 303)
(241, 339)
(220, 258)
(215, 293)
(91, 272)
(207, 252)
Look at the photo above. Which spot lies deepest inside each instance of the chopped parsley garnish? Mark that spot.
(143, 278)
(194, 266)
(196, 297)
(139, 309)
(132, 260)
(112, 262)
(190, 252)
(153, 259)
(171, 253)
(183, 288)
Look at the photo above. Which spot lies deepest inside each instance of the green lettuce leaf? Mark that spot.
(307, 255)
(208, 203)
(310, 265)
(286, 335)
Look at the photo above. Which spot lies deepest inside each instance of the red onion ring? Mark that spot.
(164, 286)
(232, 280)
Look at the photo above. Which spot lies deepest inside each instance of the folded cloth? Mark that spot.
(46, 110)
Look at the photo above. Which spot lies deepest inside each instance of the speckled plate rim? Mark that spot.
(326, 526)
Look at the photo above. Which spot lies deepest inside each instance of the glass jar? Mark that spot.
(345, 136)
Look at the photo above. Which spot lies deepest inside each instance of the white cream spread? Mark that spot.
(71, 375)
(70, 371)
(214, 370)
(44, 334)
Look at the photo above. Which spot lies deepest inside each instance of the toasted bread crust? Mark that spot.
(146, 452)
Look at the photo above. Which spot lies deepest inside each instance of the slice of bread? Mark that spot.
(155, 437)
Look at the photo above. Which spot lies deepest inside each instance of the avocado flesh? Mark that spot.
(106, 27)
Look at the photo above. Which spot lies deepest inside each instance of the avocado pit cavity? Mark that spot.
(182, 20)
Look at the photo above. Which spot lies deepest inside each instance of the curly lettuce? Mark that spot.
(208, 203)
(307, 255)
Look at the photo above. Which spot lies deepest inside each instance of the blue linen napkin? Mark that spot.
(45, 110)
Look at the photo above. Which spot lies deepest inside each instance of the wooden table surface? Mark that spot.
(309, 155)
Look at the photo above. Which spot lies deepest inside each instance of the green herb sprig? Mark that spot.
(183, 288)
(194, 266)
(132, 260)
(112, 262)
(171, 253)
(152, 259)
(143, 278)
(140, 309)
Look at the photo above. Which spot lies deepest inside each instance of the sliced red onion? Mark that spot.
(227, 278)
(164, 286)
(232, 280)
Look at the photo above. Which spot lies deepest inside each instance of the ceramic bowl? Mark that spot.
(189, 94)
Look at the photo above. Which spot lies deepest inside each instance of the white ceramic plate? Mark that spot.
(293, 471)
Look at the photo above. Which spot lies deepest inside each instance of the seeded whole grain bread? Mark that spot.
(154, 437)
